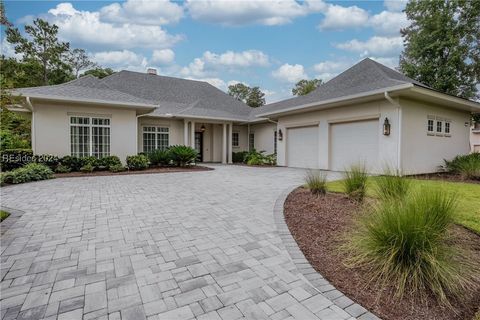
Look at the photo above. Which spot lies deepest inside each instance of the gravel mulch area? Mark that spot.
(319, 223)
(147, 171)
(445, 176)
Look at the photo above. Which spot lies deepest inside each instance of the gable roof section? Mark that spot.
(179, 96)
(85, 89)
(365, 76)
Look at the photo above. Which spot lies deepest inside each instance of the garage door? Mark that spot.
(302, 147)
(354, 143)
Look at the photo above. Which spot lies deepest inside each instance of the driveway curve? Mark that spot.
(198, 245)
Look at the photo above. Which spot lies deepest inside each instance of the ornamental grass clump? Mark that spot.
(355, 182)
(467, 166)
(392, 185)
(316, 182)
(407, 245)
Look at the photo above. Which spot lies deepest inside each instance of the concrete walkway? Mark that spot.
(198, 245)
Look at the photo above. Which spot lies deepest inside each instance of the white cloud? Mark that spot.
(164, 56)
(377, 46)
(216, 82)
(124, 59)
(148, 12)
(389, 22)
(237, 59)
(230, 60)
(8, 50)
(290, 73)
(391, 62)
(86, 28)
(235, 12)
(395, 5)
(329, 69)
(338, 17)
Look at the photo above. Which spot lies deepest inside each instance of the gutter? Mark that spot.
(400, 133)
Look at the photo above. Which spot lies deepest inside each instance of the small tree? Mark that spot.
(253, 97)
(256, 98)
(42, 45)
(99, 72)
(78, 60)
(305, 86)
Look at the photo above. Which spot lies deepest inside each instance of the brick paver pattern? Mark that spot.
(199, 245)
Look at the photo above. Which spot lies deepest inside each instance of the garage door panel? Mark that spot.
(354, 143)
(302, 147)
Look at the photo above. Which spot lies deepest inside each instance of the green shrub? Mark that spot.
(392, 185)
(74, 163)
(29, 172)
(10, 140)
(355, 182)
(91, 160)
(182, 155)
(467, 166)
(47, 159)
(15, 158)
(137, 162)
(159, 157)
(62, 169)
(238, 156)
(316, 182)
(407, 245)
(87, 168)
(259, 158)
(108, 161)
(116, 168)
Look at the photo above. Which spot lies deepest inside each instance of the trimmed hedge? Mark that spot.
(15, 158)
(29, 172)
(137, 162)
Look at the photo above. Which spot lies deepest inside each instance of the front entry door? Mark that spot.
(199, 145)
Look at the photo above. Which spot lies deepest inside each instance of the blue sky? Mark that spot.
(271, 44)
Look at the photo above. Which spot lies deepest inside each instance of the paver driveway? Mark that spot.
(164, 246)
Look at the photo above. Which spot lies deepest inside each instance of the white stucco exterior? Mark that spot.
(51, 127)
(264, 136)
(425, 153)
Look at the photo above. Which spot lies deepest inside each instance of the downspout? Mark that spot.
(400, 133)
(32, 125)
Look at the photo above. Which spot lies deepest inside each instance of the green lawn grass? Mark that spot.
(468, 194)
(3, 215)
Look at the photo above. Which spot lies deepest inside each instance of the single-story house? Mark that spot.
(475, 137)
(369, 114)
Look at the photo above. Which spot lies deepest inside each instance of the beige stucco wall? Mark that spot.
(242, 138)
(475, 140)
(388, 145)
(264, 136)
(175, 129)
(51, 128)
(422, 153)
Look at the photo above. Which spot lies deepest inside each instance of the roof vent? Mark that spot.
(152, 71)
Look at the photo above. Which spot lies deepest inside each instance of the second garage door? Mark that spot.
(354, 143)
(302, 147)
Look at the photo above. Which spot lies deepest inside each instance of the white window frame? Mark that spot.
(90, 127)
(236, 143)
(156, 133)
(437, 121)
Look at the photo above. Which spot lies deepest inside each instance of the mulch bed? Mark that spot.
(147, 171)
(318, 225)
(445, 176)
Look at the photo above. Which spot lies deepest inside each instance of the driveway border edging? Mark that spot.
(302, 264)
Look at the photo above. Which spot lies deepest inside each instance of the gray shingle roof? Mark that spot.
(365, 76)
(85, 88)
(194, 98)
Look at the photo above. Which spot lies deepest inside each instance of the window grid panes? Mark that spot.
(235, 139)
(439, 126)
(430, 126)
(155, 138)
(447, 127)
(251, 141)
(275, 142)
(89, 137)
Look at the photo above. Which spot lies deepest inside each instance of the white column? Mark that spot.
(230, 149)
(192, 135)
(185, 132)
(224, 143)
